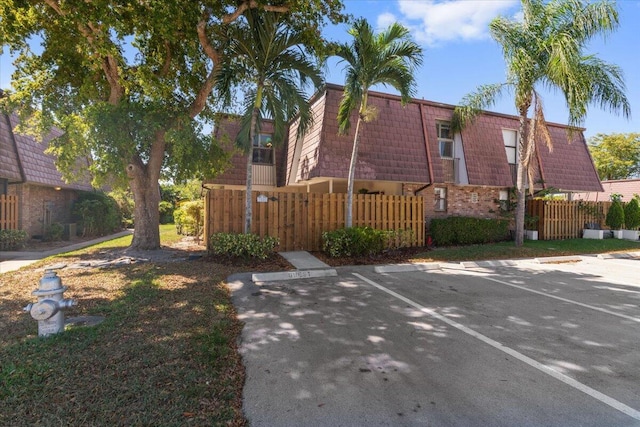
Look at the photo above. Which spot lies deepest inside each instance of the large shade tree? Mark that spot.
(132, 83)
(616, 155)
(388, 58)
(267, 57)
(546, 49)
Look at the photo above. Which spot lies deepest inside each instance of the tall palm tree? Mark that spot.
(388, 58)
(267, 58)
(546, 49)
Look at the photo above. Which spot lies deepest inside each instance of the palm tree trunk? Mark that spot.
(521, 178)
(248, 207)
(352, 174)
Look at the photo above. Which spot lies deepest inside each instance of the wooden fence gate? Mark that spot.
(560, 219)
(298, 219)
(8, 212)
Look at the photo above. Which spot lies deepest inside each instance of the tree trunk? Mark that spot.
(144, 184)
(521, 178)
(146, 196)
(248, 207)
(352, 167)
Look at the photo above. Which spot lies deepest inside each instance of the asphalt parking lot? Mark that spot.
(494, 344)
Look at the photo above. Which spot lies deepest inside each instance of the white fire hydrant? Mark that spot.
(48, 311)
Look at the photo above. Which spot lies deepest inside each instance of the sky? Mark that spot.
(459, 54)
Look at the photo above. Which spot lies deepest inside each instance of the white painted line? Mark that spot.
(292, 275)
(591, 307)
(398, 268)
(633, 413)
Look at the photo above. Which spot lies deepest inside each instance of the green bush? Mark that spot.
(166, 212)
(11, 240)
(124, 200)
(355, 241)
(632, 215)
(242, 245)
(458, 230)
(615, 216)
(97, 214)
(189, 218)
(53, 232)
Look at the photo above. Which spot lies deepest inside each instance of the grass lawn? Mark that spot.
(166, 353)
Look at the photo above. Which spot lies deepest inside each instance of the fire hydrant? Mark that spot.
(48, 311)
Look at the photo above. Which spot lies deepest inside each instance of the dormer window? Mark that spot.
(445, 140)
(263, 149)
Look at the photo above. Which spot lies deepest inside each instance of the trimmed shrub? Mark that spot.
(458, 230)
(97, 214)
(166, 212)
(632, 215)
(53, 232)
(615, 216)
(354, 241)
(189, 218)
(11, 240)
(242, 245)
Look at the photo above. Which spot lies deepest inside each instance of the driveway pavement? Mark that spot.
(506, 344)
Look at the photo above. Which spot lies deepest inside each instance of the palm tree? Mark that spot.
(267, 57)
(388, 58)
(545, 49)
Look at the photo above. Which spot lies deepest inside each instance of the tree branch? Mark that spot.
(208, 48)
(251, 4)
(200, 101)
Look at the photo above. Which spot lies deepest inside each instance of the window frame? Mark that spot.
(508, 148)
(440, 199)
(262, 150)
(444, 142)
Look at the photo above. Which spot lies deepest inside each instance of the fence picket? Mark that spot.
(299, 219)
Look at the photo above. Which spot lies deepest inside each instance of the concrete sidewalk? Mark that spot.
(16, 260)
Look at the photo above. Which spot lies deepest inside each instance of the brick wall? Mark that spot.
(38, 203)
(479, 202)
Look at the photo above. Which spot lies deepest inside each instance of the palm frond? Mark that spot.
(472, 104)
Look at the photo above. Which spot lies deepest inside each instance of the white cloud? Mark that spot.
(434, 22)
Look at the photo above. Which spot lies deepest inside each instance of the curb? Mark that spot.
(398, 268)
(292, 275)
(558, 259)
(497, 263)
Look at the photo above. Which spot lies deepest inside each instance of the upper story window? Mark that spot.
(445, 140)
(510, 138)
(263, 149)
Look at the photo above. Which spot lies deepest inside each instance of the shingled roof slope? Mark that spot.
(627, 188)
(10, 164)
(569, 166)
(39, 168)
(392, 147)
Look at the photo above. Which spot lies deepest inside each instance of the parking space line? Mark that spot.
(591, 307)
(615, 404)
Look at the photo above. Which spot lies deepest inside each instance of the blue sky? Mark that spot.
(459, 55)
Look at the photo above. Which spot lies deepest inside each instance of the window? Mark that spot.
(445, 140)
(262, 149)
(510, 138)
(440, 200)
(504, 200)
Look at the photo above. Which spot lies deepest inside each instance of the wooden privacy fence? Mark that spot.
(560, 219)
(8, 212)
(298, 219)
